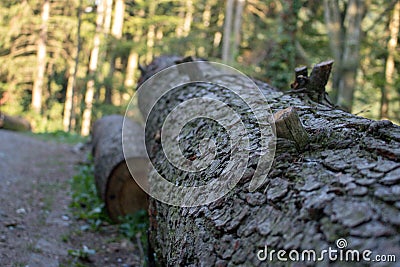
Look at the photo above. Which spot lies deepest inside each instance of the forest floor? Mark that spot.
(37, 227)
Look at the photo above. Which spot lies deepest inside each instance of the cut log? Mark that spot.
(14, 123)
(341, 192)
(114, 182)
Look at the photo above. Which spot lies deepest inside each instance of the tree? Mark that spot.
(237, 25)
(264, 39)
(227, 56)
(69, 96)
(94, 57)
(345, 35)
(116, 35)
(151, 31)
(131, 67)
(41, 60)
(388, 89)
(186, 15)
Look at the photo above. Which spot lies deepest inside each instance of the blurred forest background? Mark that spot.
(65, 63)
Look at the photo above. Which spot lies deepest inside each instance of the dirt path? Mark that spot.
(36, 226)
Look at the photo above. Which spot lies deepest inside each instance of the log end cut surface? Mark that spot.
(124, 196)
(114, 182)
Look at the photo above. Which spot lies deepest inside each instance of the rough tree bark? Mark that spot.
(344, 184)
(114, 182)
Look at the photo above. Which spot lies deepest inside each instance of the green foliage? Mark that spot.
(276, 36)
(135, 228)
(60, 137)
(135, 225)
(86, 205)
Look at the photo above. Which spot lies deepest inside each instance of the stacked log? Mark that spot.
(114, 181)
(14, 123)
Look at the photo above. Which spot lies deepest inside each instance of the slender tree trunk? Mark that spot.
(116, 33)
(94, 57)
(41, 60)
(344, 30)
(151, 32)
(181, 15)
(351, 53)
(289, 19)
(107, 16)
(106, 30)
(76, 108)
(237, 26)
(131, 68)
(118, 23)
(334, 25)
(69, 95)
(226, 45)
(218, 34)
(69, 114)
(388, 89)
(188, 17)
(133, 61)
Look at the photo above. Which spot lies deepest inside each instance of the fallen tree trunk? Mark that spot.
(114, 182)
(341, 191)
(14, 123)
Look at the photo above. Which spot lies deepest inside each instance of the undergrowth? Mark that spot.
(86, 205)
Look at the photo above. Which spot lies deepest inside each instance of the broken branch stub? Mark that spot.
(301, 71)
(289, 126)
(314, 85)
(319, 76)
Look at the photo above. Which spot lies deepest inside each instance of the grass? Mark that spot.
(59, 137)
